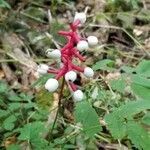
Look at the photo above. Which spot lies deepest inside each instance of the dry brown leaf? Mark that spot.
(2, 74)
(9, 141)
(9, 74)
(68, 115)
(13, 45)
(113, 76)
(147, 44)
(137, 32)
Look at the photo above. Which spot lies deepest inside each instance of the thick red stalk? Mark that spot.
(68, 52)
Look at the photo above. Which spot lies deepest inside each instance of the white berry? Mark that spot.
(80, 16)
(51, 85)
(92, 40)
(54, 53)
(78, 95)
(88, 72)
(82, 45)
(70, 76)
(42, 69)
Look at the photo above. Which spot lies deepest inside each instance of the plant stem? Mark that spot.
(17, 61)
(59, 105)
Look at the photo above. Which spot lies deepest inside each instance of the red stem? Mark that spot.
(53, 71)
(73, 86)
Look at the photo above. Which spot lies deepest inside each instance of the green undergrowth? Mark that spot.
(116, 108)
(124, 109)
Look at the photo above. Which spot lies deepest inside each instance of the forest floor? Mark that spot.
(115, 114)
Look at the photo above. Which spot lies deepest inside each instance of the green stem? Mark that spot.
(59, 106)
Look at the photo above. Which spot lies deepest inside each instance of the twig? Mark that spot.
(129, 13)
(124, 30)
(51, 38)
(31, 17)
(86, 10)
(103, 78)
(16, 61)
(144, 4)
(49, 16)
(78, 128)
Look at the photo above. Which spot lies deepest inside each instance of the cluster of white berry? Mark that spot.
(64, 55)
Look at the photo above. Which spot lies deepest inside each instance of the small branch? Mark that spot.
(125, 31)
(17, 61)
(51, 38)
(86, 10)
(31, 17)
(107, 85)
(49, 16)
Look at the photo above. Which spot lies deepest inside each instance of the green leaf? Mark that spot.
(127, 69)
(86, 115)
(141, 91)
(4, 4)
(8, 123)
(146, 119)
(3, 87)
(26, 97)
(14, 97)
(138, 79)
(133, 107)
(138, 135)
(144, 15)
(143, 68)
(3, 113)
(18, 106)
(116, 121)
(39, 143)
(118, 85)
(2, 99)
(106, 65)
(41, 114)
(31, 131)
(14, 106)
(116, 125)
(140, 86)
(34, 13)
(126, 19)
(29, 105)
(14, 147)
(70, 146)
(134, 4)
